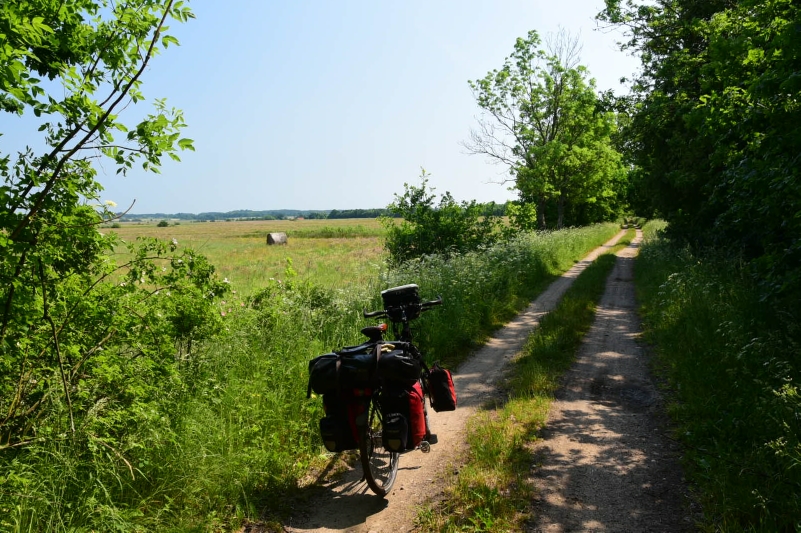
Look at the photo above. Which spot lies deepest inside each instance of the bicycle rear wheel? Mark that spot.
(379, 464)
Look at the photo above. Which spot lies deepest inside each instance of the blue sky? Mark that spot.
(335, 104)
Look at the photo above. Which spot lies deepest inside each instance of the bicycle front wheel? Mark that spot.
(380, 465)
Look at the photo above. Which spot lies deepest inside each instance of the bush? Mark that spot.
(163, 224)
(445, 228)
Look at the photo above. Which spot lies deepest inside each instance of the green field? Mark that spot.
(327, 252)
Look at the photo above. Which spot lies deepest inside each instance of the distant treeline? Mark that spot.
(241, 214)
(358, 213)
(280, 214)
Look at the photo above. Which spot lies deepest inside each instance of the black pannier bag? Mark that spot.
(353, 367)
(441, 391)
(338, 428)
(397, 363)
(403, 418)
(323, 374)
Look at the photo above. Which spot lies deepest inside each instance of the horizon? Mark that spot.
(323, 104)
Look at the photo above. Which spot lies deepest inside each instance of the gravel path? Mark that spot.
(348, 505)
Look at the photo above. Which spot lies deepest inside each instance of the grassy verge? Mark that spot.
(491, 491)
(733, 365)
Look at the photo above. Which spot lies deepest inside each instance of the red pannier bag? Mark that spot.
(338, 428)
(441, 391)
(404, 421)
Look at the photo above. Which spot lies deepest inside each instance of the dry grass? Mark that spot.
(239, 251)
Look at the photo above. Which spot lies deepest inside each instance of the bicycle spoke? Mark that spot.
(380, 465)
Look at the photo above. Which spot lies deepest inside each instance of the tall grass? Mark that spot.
(240, 436)
(733, 367)
(336, 232)
(483, 290)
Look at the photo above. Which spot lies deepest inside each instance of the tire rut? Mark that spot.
(605, 461)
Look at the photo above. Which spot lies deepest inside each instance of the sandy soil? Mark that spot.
(604, 464)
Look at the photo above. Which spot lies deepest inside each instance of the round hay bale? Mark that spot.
(276, 238)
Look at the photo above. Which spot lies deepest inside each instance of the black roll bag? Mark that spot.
(354, 367)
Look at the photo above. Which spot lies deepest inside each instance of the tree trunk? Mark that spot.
(541, 212)
(560, 209)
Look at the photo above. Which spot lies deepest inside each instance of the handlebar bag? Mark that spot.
(441, 391)
(404, 423)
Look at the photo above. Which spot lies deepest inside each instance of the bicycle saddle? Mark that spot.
(374, 333)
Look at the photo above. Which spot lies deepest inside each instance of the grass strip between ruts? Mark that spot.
(491, 491)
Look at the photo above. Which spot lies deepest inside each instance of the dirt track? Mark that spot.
(348, 505)
(606, 464)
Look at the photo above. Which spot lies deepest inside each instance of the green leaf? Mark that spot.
(166, 40)
(186, 144)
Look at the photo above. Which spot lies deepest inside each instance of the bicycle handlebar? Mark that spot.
(424, 306)
(431, 303)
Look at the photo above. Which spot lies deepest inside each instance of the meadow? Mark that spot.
(328, 253)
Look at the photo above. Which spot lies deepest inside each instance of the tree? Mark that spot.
(430, 227)
(714, 128)
(542, 120)
(90, 352)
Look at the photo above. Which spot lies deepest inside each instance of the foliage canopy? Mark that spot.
(715, 129)
(542, 119)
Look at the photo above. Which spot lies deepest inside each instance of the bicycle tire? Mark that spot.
(379, 464)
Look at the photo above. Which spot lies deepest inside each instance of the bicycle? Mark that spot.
(380, 465)
(360, 384)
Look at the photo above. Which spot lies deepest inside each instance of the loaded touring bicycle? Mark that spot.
(374, 393)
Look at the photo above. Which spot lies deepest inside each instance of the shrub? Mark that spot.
(444, 228)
